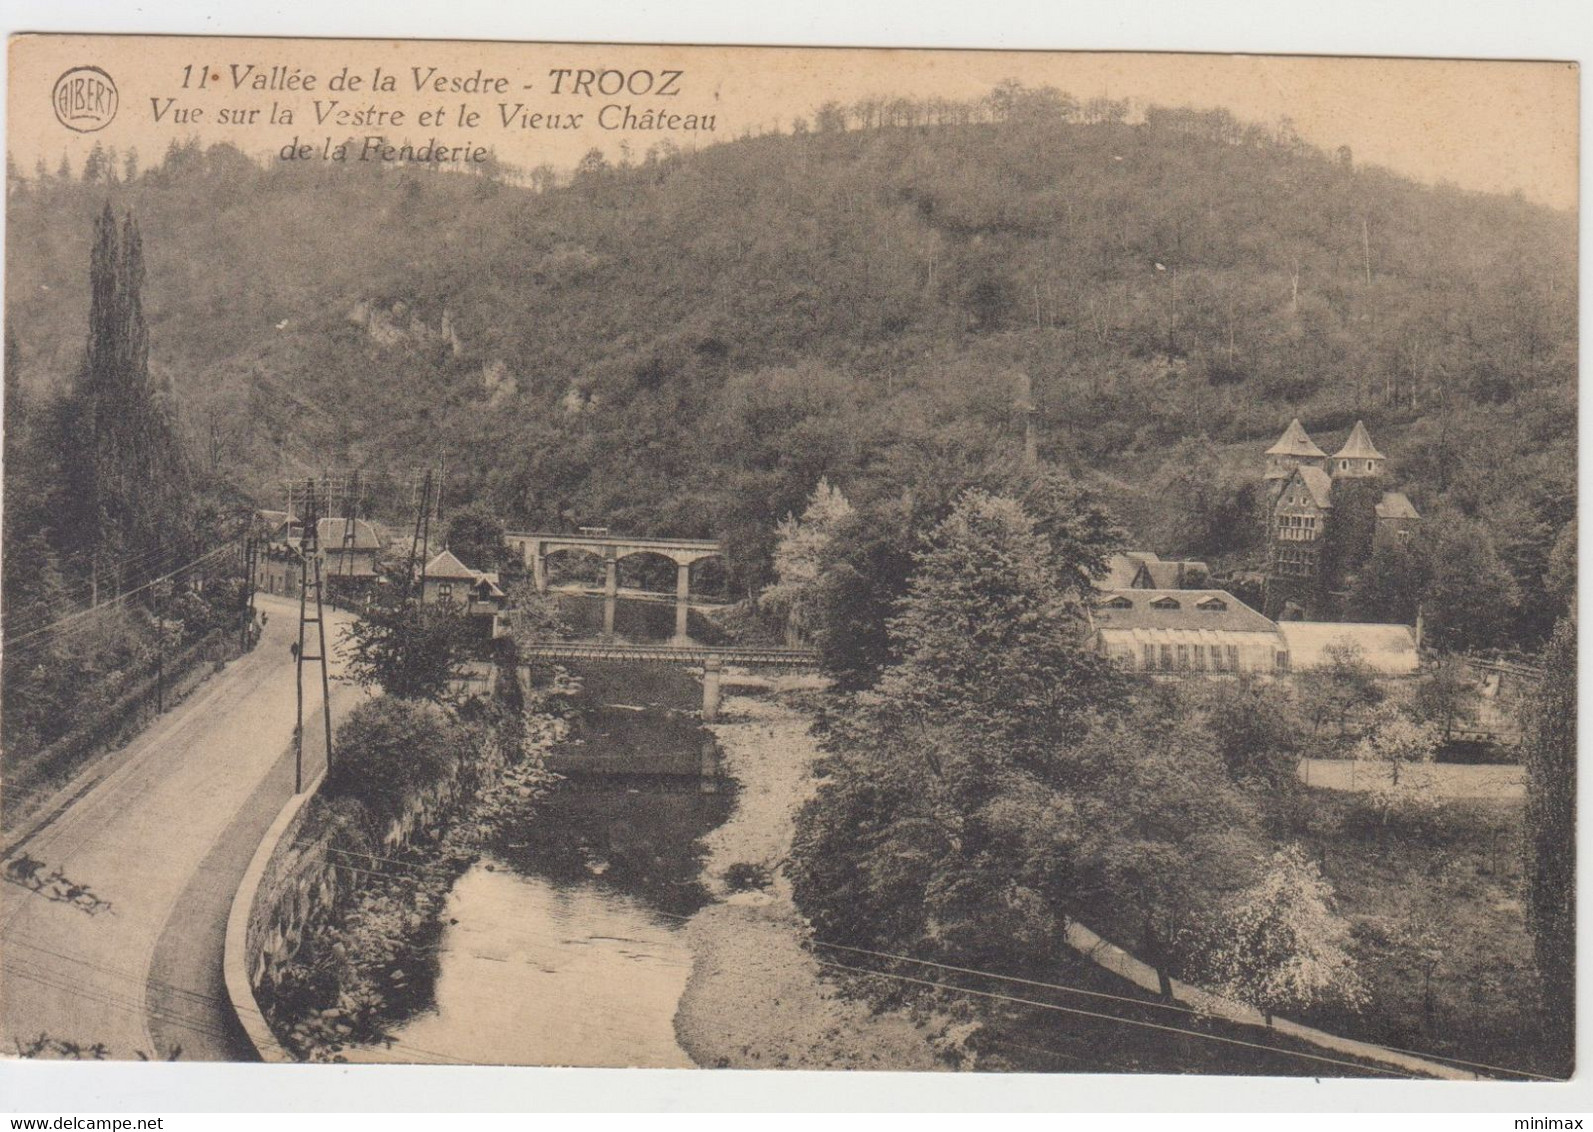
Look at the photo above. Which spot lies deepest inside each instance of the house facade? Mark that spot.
(347, 551)
(474, 592)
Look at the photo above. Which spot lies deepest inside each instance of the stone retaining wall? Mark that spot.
(284, 884)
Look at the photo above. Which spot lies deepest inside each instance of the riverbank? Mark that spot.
(384, 860)
(756, 998)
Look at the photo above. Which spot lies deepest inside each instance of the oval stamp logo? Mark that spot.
(85, 99)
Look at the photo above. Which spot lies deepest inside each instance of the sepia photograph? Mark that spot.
(789, 558)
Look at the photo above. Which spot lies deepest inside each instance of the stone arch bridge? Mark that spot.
(535, 547)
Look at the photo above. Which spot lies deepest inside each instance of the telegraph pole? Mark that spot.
(350, 527)
(310, 576)
(160, 650)
(250, 560)
(420, 545)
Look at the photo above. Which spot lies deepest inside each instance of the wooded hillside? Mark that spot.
(685, 345)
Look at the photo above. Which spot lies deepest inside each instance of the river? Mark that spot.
(565, 947)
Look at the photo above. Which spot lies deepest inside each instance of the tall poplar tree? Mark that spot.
(126, 504)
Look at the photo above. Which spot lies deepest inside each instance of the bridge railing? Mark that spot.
(674, 653)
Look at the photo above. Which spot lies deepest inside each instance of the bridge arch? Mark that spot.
(535, 548)
(583, 561)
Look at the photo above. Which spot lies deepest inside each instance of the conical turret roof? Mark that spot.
(1295, 442)
(1359, 446)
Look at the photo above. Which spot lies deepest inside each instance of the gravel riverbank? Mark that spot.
(756, 998)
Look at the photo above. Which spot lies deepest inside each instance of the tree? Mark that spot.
(389, 753)
(863, 573)
(1400, 751)
(1339, 690)
(95, 165)
(1471, 598)
(1280, 946)
(1549, 752)
(1081, 530)
(1390, 588)
(990, 637)
(830, 118)
(128, 495)
(1559, 579)
(410, 650)
(940, 827)
(1166, 834)
(475, 535)
(799, 550)
(592, 164)
(1444, 697)
(1255, 730)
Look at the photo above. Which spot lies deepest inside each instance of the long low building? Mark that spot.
(1171, 631)
(1211, 632)
(1389, 649)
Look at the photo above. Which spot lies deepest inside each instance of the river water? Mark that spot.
(541, 972)
(565, 945)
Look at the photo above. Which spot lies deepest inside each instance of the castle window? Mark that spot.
(1212, 605)
(1183, 658)
(1233, 658)
(1150, 658)
(1167, 657)
(1118, 602)
(1166, 603)
(1200, 657)
(1280, 661)
(1368, 465)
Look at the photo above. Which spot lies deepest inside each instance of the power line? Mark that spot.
(81, 590)
(1013, 979)
(1111, 1018)
(13, 642)
(421, 872)
(1138, 1002)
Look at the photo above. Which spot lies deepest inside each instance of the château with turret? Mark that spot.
(1325, 517)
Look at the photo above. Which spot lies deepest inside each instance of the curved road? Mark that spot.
(162, 832)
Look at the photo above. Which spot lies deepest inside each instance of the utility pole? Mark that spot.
(310, 576)
(160, 649)
(250, 560)
(350, 526)
(421, 545)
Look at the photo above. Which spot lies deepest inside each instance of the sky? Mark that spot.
(1484, 125)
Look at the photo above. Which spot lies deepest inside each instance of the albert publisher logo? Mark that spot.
(85, 99)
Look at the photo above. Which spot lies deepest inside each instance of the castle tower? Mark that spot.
(1294, 449)
(1359, 458)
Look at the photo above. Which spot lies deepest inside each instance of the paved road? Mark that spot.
(163, 838)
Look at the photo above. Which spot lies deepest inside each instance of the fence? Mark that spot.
(133, 705)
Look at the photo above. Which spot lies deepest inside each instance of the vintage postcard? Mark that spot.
(626, 556)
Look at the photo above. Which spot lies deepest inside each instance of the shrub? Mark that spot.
(389, 752)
